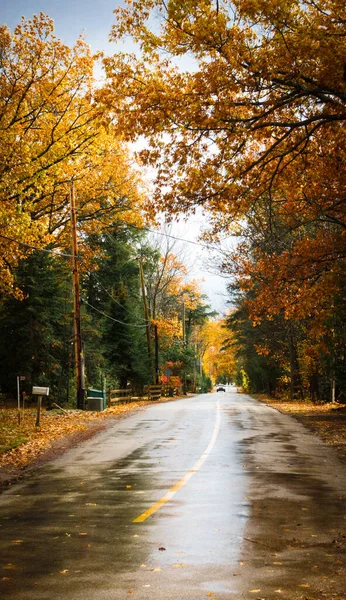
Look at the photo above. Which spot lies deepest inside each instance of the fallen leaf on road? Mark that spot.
(162, 549)
(304, 585)
(254, 591)
(9, 566)
(130, 592)
(83, 533)
(128, 487)
(156, 570)
(64, 571)
(17, 542)
(90, 504)
(179, 565)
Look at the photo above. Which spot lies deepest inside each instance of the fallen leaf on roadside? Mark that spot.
(254, 591)
(64, 571)
(179, 565)
(9, 566)
(17, 542)
(83, 533)
(156, 570)
(128, 487)
(304, 585)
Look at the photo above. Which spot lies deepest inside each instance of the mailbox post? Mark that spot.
(39, 392)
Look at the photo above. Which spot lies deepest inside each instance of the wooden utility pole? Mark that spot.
(184, 331)
(184, 345)
(157, 374)
(146, 313)
(79, 359)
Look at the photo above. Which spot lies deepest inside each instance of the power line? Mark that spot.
(155, 231)
(112, 318)
(53, 251)
(178, 239)
(92, 273)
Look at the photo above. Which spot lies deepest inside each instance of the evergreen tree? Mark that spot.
(36, 331)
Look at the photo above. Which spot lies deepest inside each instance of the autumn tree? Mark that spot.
(52, 133)
(258, 114)
(217, 350)
(251, 128)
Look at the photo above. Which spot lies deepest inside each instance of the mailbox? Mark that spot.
(40, 391)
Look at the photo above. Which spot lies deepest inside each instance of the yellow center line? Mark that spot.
(173, 490)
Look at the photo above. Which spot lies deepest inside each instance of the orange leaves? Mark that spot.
(29, 442)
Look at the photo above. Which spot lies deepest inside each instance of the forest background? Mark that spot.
(252, 131)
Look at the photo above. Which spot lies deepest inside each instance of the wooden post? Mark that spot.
(156, 355)
(146, 313)
(38, 411)
(184, 344)
(18, 399)
(79, 359)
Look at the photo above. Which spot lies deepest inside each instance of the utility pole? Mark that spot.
(156, 354)
(146, 313)
(184, 345)
(79, 358)
(184, 331)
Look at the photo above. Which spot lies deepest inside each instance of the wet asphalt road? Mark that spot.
(256, 510)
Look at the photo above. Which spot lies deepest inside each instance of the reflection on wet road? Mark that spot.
(245, 471)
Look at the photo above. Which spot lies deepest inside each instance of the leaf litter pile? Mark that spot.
(23, 444)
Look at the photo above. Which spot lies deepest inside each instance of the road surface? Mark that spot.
(215, 496)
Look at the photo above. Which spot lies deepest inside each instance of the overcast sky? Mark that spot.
(94, 18)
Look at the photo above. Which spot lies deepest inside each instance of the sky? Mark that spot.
(93, 19)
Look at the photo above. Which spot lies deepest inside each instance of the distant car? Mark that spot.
(220, 388)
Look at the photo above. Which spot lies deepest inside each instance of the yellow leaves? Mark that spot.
(33, 441)
(51, 133)
(64, 571)
(217, 359)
